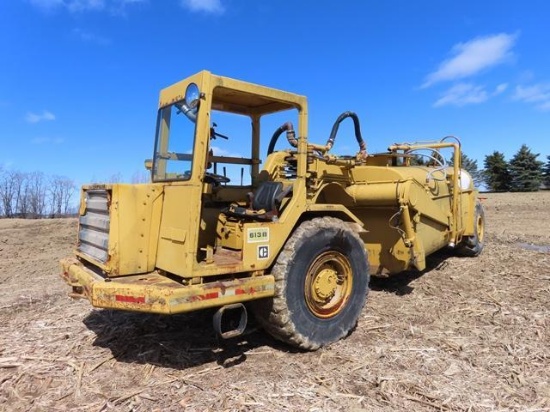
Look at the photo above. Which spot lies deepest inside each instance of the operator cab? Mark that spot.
(224, 138)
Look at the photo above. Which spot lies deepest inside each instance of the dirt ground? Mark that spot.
(468, 334)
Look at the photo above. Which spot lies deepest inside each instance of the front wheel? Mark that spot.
(321, 285)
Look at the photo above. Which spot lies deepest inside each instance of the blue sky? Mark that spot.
(79, 79)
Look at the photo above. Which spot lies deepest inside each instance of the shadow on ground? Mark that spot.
(177, 341)
(188, 340)
(400, 282)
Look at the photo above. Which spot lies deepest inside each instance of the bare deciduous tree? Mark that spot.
(115, 178)
(54, 192)
(11, 191)
(22, 198)
(1, 182)
(141, 176)
(34, 195)
(60, 191)
(37, 193)
(67, 191)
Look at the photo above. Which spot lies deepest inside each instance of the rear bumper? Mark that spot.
(154, 293)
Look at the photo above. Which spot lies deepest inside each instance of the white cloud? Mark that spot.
(501, 88)
(208, 6)
(219, 151)
(539, 94)
(39, 117)
(470, 58)
(462, 94)
(536, 93)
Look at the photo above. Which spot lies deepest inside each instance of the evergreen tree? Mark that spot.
(525, 171)
(546, 173)
(496, 173)
(470, 166)
(418, 160)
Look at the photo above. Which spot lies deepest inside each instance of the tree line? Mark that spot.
(34, 195)
(522, 173)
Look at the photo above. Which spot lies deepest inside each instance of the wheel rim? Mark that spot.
(480, 227)
(328, 284)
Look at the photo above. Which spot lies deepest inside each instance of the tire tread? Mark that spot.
(274, 315)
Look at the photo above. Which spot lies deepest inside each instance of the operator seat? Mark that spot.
(264, 202)
(266, 196)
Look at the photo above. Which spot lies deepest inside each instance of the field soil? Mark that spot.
(467, 334)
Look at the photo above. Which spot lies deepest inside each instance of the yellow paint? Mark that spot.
(167, 240)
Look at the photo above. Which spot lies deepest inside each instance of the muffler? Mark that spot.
(230, 320)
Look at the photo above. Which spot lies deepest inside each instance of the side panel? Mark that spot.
(135, 216)
(385, 247)
(118, 227)
(179, 227)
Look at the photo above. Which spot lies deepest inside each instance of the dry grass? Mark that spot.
(468, 334)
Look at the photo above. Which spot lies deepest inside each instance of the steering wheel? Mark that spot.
(215, 179)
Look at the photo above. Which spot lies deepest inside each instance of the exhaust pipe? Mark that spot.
(230, 320)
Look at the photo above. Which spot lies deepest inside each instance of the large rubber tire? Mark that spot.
(472, 246)
(321, 285)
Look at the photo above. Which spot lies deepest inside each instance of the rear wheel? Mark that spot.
(473, 245)
(321, 285)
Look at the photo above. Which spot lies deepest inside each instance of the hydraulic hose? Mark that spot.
(357, 127)
(290, 136)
